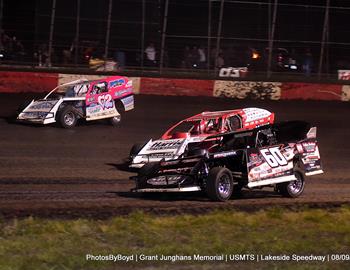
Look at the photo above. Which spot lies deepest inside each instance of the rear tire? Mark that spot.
(293, 189)
(116, 120)
(220, 184)
(67, 117)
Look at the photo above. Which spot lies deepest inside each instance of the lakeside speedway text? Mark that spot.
(217, 258)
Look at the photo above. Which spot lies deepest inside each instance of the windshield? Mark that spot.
(197, 127)
(186, 127)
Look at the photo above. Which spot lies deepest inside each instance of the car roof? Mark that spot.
(210, 115)
(245, 113)
(104, 79)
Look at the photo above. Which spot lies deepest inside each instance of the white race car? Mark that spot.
(90, 100)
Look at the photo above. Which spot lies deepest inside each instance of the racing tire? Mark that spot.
(135, 149)
(115, 121)
(67, 117)
(219, 184)
(293, 189)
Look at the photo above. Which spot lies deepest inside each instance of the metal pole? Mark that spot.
(165, 21)
(51, 31)
(1, 13)
(143, 32)
(1, 8)
(108, 29)
(209, 34)
(77, 28)
(269, 20)
(271, 38)
(324, 35)
(219, 33)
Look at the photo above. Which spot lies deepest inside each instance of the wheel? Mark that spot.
(115, 121)
(219, 184)
(135, 149)
(294, 188)
(67, 117)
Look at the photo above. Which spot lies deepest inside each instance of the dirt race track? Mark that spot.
(48, 171)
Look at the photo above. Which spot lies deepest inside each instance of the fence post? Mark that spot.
(108, 30)
(271, 37)
(52, 24)
(324, 36)
(163, 36)
(219, 34)
(209, 35)
(77, 28)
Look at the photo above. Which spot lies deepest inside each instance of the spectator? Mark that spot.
(18, 49)
(120, 58)
(67, 54)
(202, 57)
(151, 55)
(220, 62)
(307, 62)
(194, 57)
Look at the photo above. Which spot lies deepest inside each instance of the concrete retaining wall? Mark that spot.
(19, 82)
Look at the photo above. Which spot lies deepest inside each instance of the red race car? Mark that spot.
(193, 134)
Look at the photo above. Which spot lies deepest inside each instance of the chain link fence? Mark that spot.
(212, 37)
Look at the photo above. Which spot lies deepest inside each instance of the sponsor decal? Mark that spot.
(165, 145)
(91, 99)
(164, 180)
(344, 74)
(247, 89)
(273, 157)
(226, 154)
(128, 100)
(233, 72)
(34, 115)
(93, 109)
(309, 146)
(116, 83)
(121, 92)
(256, 115)
(44, 106)
(105, 101)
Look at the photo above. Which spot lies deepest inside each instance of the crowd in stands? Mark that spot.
(10, 47)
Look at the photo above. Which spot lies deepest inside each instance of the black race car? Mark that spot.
(278, 155)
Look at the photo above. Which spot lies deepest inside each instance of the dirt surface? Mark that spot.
(48, 171)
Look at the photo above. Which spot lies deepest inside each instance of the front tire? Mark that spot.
(67, 117)
(220, 184)
(135, 149)
(115, 121)
(293, 189)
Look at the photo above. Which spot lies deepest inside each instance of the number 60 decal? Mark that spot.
(273, 157)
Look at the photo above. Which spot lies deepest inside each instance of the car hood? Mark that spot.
(41, 106)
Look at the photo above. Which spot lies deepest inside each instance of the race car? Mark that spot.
(279, 155)
(89, 100)
(196, 131)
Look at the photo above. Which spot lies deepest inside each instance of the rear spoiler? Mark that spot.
(312, 133)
